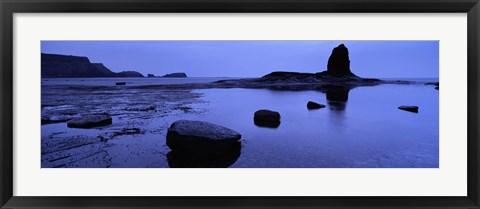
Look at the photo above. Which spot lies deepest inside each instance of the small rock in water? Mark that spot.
(314, 105)
(201, 138)
(409, 108)
(120, 83)
(267, 118)
(89, 121)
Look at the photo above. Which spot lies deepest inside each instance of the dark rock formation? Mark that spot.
(175, 75)
(409, 108)
(200, 138)
(151, 75)
(339, 62)
(64, 66)
(120, 83)
(313, 105)
(90, 121)
(267, 118)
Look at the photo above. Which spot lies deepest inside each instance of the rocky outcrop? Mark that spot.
(339, 62)
(409, 108)
(90, 121)
(175, 75)
(66, 66)
(151, 75)
(200, 138)
(313, 105)
(267, 118)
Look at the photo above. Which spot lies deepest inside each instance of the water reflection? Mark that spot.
(266, 124)
(225, 159)
(337, 97)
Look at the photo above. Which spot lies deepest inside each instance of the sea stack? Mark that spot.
(339, 63)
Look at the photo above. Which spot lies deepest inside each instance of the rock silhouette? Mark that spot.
(313, 105)
(175, 75)
(338, 73)
(65, 66)
(339, 62)
(409, 108)
(267, 118)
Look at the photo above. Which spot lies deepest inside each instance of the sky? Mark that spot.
(373, 59)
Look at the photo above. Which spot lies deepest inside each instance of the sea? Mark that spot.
(360, 127)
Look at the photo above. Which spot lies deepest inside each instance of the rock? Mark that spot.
(409, 108)
(89, 121)
(150, 75)
(339, 62)
(200, 138)
(77, 151)
(314, 105)
(120, 83)
(267, 115)
(64, 66)
(175, 75)
(267, 118)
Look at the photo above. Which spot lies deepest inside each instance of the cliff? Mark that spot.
(66, 66)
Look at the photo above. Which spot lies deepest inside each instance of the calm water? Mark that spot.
(360, 127)
(129, 81)
(365, 131)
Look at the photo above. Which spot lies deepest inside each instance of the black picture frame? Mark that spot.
(10, 7)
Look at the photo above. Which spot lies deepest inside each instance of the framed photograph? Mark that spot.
(239, 104)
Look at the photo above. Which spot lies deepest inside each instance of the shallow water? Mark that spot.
(366, 130)
(360, 127)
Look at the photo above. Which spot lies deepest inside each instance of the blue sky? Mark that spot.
(376, 59)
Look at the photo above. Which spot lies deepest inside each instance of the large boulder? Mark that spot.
(339, 62)
(267, 118)
(200, 138)
(90, 121)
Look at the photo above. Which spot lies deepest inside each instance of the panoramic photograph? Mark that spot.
(240, 104)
